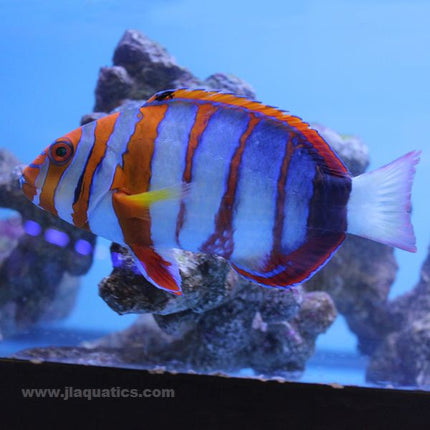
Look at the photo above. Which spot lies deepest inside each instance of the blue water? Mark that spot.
(360, 67)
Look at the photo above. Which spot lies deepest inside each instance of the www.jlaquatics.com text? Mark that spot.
(67, 393)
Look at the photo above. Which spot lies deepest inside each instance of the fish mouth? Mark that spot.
(18, 177)
(21, 179)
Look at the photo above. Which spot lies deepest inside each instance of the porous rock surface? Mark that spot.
(358, 279)
(142, 67)
(403, 357)
(221, 322)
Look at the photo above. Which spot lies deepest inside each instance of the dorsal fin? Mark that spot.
(332, 161)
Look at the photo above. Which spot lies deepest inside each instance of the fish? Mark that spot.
(221, 174)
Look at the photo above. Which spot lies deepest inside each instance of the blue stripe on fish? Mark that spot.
(220, 242)
(65, 192)
(203, 116)
(103, 220)
(169, 150)
(257, 193)
(209, 175)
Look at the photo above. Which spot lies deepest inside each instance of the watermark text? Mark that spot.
(67, 393)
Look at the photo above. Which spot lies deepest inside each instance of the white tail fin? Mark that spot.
(379, 206)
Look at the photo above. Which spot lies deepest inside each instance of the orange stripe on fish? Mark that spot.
(201, 120)
(200, 123)
(29, 191)
(102, 133)
(55, 172)
(135, 174)
(132, 179)
(31, 174)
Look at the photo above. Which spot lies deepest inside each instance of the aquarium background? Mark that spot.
(358, 67)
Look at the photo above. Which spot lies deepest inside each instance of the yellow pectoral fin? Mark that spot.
(136, 205)
(150, 197)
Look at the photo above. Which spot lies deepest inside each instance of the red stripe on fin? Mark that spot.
(296, 267)
(158, 267)
(333, 163)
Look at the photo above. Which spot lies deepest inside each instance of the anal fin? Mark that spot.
(159, 267)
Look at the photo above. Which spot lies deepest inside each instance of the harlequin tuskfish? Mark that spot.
(219, 174)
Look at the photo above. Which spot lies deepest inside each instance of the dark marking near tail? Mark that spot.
(326, 230)
(327, 208)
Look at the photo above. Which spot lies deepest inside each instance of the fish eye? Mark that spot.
(60, 152)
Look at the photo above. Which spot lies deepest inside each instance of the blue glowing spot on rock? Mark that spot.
(32, 228)
(117, 260)
(56, 237)
(83, 247)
